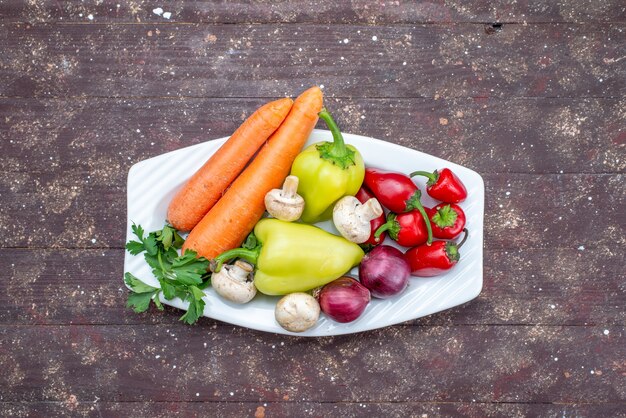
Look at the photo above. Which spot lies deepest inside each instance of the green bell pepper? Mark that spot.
(327, 172)
(292, 257)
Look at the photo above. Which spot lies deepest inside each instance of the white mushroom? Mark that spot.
(352, 219)
(232, 283)
(297, 312)
(285, 204)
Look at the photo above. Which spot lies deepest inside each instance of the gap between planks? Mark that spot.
(310, 23)
(220, 324)
(279, 402)
(373, 98)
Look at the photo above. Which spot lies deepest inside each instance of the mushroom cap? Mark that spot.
(350, 225)
(231, 283)
(282, 207)
(297, 312)
(285, 204)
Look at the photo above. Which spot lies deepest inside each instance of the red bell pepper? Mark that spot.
(397, 192)
(443, 185)
(364, 194)
(447, 220)
(407, 229)
(428, 261)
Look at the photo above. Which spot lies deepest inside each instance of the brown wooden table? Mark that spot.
(530, 94)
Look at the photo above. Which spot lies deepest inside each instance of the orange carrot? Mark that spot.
(208, 184)
(229, 222)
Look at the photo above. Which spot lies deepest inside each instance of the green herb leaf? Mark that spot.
(137, 285)
(178, 240)
(196, 306)
(251, 242)
(197, 293)
(181, 277)
(151, 244)
(138, 231)
(206, 282)
(169, 290)
(166, 237)
(157, 301)
(139, 301)
(189, 269)
(135, 247)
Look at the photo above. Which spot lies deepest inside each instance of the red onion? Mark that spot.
(344, 299)
(384, 271)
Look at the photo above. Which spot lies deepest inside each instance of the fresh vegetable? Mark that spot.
(226, 225)
(179, 276)
(364, 195)
(234, 283)
(285, 204)
(344, 299)
(208, 184)
(396, 192)
(439, 257)
(352, 219)
(297, 312)
(443, 185)
(293, 257)
(447, 220)
(327, 172)
(384, 271)
(407, 229)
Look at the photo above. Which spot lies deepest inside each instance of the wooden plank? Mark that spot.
(66, 161)
(407, 364)
(262, 409)
(182, 60)
(299, 11)
(547, 287)
(65, 209)
(103, 137)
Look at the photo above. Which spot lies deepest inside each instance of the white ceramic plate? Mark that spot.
(152, 183)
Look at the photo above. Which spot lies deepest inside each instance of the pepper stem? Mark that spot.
(391, 226)
(384, 227)
(429, 228)
(250, 256)
(432, 177)
(335, 152)
(414, 203)
(460, 244)
(339, 146)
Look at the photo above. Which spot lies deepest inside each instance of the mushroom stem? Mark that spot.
(290, 187)
(232, 282)
(240, 270)
(369, 210)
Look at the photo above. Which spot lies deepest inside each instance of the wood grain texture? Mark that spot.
(523, 211)
(535, 104)
(66, 161)
(550, 286)
(561, 60)
(262, 409)
(103, 137)
(401, 364)
(301, 11)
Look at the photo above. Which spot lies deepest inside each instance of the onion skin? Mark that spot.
(344, 299)
(385, 271)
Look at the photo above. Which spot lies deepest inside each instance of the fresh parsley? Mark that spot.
(183, 276)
